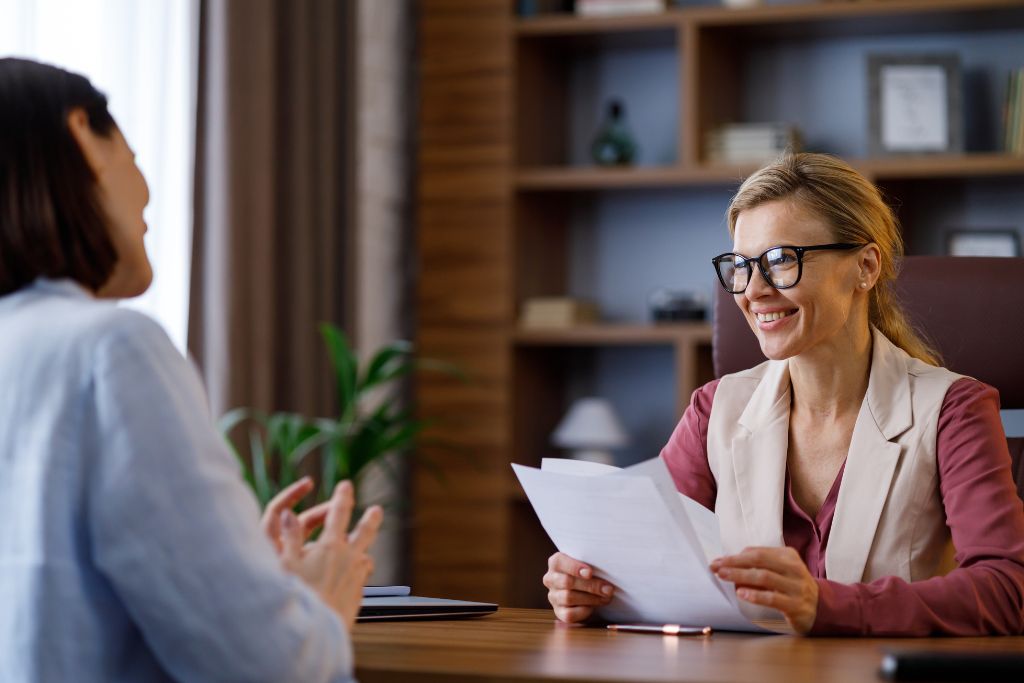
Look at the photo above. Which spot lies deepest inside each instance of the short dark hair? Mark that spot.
(51, 222)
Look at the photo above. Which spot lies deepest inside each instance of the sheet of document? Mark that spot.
(639, 533)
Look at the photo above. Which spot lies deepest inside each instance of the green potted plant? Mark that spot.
(283, 446)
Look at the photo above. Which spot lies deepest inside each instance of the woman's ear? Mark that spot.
(870, 264)
(96, 153)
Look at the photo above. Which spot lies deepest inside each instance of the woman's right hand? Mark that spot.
(572, 589)
(336, 564)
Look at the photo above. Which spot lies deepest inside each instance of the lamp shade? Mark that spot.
(591, 423)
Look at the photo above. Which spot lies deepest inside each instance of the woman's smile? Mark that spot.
(773, 319)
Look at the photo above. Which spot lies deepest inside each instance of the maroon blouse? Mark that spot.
(984, 595)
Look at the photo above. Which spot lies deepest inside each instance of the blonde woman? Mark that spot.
(845, 468)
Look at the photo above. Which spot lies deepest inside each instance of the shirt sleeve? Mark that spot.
(984, 595)
(175, 530)
(686, 453)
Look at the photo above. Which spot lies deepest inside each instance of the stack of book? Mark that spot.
(1013, 114)
(741, 143)
(610, 8)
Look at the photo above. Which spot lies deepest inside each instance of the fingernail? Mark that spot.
(585, 572)
(288, 520)
(606, 590)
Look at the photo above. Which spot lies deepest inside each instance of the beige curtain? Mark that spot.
(302, 209)
(272, 204)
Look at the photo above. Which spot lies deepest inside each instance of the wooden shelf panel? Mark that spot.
(868, 17)
(941, 166)
(565, 24)
(641, 177)
(615, 335)
(910, 167)
(640, 30)
(802, 20)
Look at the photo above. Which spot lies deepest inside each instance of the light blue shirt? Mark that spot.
(130, 547)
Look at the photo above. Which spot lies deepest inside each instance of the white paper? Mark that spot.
(638, 533)
(914, 108)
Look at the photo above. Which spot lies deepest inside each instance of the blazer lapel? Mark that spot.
(759, 457)
(871, 462)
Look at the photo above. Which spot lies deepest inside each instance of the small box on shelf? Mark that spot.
(613, 8)
(739, 143)
(557, 312)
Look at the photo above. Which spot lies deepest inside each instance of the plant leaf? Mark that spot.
(345, 366)
(261, 479)
(395, 357)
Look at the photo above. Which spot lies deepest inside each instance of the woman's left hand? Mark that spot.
(773, 577)
(309, 520)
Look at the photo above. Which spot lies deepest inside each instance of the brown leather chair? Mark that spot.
(967, 307)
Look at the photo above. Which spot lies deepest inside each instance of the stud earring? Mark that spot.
(863, 285)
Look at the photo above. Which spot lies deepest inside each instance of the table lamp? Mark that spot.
(590, 430)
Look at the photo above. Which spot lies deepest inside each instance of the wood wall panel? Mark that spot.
(461, 518)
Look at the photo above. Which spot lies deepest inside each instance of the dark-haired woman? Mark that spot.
(861, 488)
(130, 547)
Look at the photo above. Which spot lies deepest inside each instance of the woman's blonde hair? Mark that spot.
(856, 212)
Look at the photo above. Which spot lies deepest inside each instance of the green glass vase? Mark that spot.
(614, 144)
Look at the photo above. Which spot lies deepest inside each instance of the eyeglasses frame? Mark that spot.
(837, 246)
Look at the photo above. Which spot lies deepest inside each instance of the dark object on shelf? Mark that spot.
(673, 305)
(614, 144)
(915, 104)
(924, 665)
(526, 8)
(983, 243)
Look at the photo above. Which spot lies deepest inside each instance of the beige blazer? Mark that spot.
(889, 519)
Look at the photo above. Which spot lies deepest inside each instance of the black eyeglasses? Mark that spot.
(781, 266)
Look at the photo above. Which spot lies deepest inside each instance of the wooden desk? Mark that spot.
(530, 645)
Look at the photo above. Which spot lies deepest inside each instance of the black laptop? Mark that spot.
(396, 607)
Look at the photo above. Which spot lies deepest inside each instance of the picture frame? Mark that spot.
(1004, 242)
(915, 104)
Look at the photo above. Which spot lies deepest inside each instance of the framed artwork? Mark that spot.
(914, 104)
(983, 243)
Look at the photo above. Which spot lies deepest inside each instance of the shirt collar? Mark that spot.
(61, 287)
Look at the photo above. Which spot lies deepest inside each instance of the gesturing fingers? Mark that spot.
(285, 499)
(291, 539)
(339, 513)
(363, 535)
(312, 518)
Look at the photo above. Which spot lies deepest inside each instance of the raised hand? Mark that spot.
(336, 565)
(309, 520)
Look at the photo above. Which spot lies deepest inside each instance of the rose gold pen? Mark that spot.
(665, 629)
